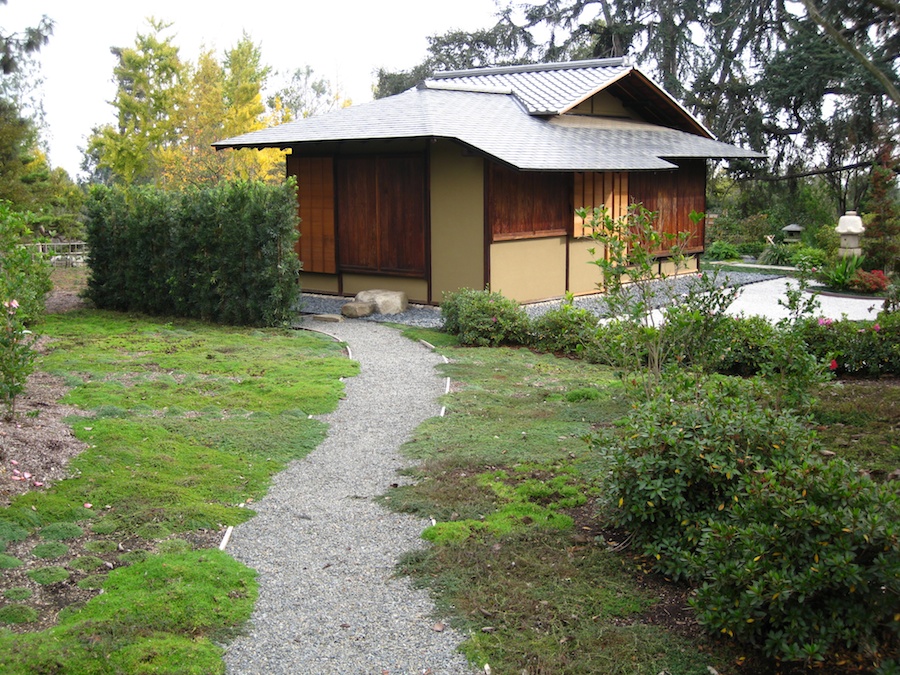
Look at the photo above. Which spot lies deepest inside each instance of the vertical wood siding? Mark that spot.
(673, 195)
(381, 215)
(597, 190)
(527, 204)
(315, 206)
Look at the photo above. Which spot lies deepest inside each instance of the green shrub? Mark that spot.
(721, 250)
(807, 562)
(695, 323)
(743, 345)
(754, 248)
(564, 330)
(676, 462)
(827, 239)
(484, 318)
(739, 231)
(778, 254)
(223, 254)
(809, 257)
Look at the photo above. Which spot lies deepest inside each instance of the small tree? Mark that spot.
(881, 242)
(648, 322)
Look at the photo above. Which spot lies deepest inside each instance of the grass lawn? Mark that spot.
(523, 560)
(183, 422)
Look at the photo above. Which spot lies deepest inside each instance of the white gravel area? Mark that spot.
(762, 299)
(325, 551)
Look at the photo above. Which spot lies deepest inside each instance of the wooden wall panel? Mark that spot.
(527, 204)
(381, 214)
(401, 214)
(315, 206)
(673, 195)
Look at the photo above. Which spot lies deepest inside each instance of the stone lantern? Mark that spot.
(850, 227)
(792, 233)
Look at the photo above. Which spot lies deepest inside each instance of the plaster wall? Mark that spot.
(584, 276)
(318, 283)
(529, 269)
(457, 220)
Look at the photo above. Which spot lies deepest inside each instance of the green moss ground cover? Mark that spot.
(183, 422)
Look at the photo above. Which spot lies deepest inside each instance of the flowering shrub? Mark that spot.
(860, 348)
(24, 284)
(16, 356)
(24, 272)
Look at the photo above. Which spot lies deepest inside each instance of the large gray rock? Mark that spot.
(386, 302)
(356, 309)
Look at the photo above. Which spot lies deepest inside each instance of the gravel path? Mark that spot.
(325, 552)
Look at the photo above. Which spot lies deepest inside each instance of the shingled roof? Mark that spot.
(518, 116)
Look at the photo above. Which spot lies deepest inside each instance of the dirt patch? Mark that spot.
(64, 301)
(36, 445)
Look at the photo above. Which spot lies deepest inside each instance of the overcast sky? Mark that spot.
(344, 41)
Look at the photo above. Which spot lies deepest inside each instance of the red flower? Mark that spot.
(834, 364)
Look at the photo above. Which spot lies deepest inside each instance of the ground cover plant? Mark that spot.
(114, 567)
(534, 590)
(520, 558)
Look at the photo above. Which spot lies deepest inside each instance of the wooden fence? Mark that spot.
(65, 253)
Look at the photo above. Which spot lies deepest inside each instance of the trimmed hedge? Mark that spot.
(223, 254)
